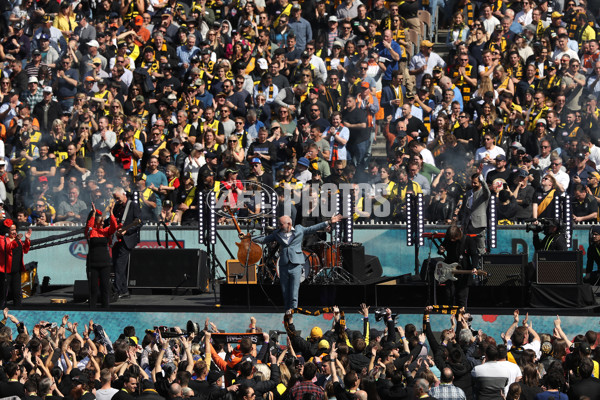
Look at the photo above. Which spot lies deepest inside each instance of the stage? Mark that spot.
(401, 297)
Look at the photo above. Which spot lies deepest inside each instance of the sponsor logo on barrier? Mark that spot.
(79, 249)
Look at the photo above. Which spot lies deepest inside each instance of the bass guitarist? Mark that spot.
(126, 212)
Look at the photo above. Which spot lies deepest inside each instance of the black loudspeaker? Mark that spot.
(504, 269)
(168, 269)
(81, 291)
(237, 273)
(353, 258)
(559, 267)
(373, 269)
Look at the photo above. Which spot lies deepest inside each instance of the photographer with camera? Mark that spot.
(554, 239)
(593, 256)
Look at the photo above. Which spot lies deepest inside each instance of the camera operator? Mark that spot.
(554, 239)
(593, 255)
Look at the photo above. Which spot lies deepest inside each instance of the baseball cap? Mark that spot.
(541, 121)
(89, 78)
(44, 36)
(304, 162)
(288, 165)
(500, 157)
(315, 332)
(426, 43)
(96, 60)
(41, 178)
(499, 121)
(139, 98)
(47, 89)
(93, 43)
(338, 44)
(332, 18)
(556, 14)
(523, 173)
(256, 160)
(361, 43)
(210, 154)
(305, 54)
(33, 79)
(595, 175)
(138, 20)
(198, 146)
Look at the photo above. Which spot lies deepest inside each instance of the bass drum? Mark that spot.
(311, 266)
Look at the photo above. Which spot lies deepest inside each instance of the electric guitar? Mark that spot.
(134, 224)
(445, 272)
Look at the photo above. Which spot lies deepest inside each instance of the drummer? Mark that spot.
(291, 258)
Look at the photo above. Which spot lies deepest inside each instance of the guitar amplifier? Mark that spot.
(559, 267)
(504, 269)
(237, 273)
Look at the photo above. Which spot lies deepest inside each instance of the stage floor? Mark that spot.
(404, 299)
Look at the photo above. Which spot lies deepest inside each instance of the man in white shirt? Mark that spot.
(425, 62)
(555, 170)
(495, 373)
(562, 48)
(488, 20)
(488, 153)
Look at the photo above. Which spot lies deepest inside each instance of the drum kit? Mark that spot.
(322, 266)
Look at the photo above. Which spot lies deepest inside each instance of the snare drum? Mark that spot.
(311, 266)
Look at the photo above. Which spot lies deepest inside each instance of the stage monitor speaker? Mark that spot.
(168, 269)
(81, 291)
(237, 273)
(373, 269)
(353, 259)
(504, 269)
(559, 267)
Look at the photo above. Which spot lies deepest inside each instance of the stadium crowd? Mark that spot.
(383, 362)
(169, 98)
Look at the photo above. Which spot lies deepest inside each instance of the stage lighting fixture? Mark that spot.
(420, 219)
(200, 217)
(349, 218)
(136, 197)
(492, 223)
(212, 219)
(338, 210)
(274, 210)
(568, 220)
(409, 220)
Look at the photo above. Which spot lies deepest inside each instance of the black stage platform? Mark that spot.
(414, 295)
(409, 297)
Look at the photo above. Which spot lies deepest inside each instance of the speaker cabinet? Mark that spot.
(504, 269)
(373, 269)
(559, 267)
(81, 291)
(353, 259)
(237, 273)
(168, 269)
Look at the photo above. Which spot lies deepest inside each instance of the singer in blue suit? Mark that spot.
(291, 258)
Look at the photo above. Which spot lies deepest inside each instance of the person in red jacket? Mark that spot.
(98, 260)
(12, 250)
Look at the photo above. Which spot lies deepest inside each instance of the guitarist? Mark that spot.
(125, 211)
(453, 250)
